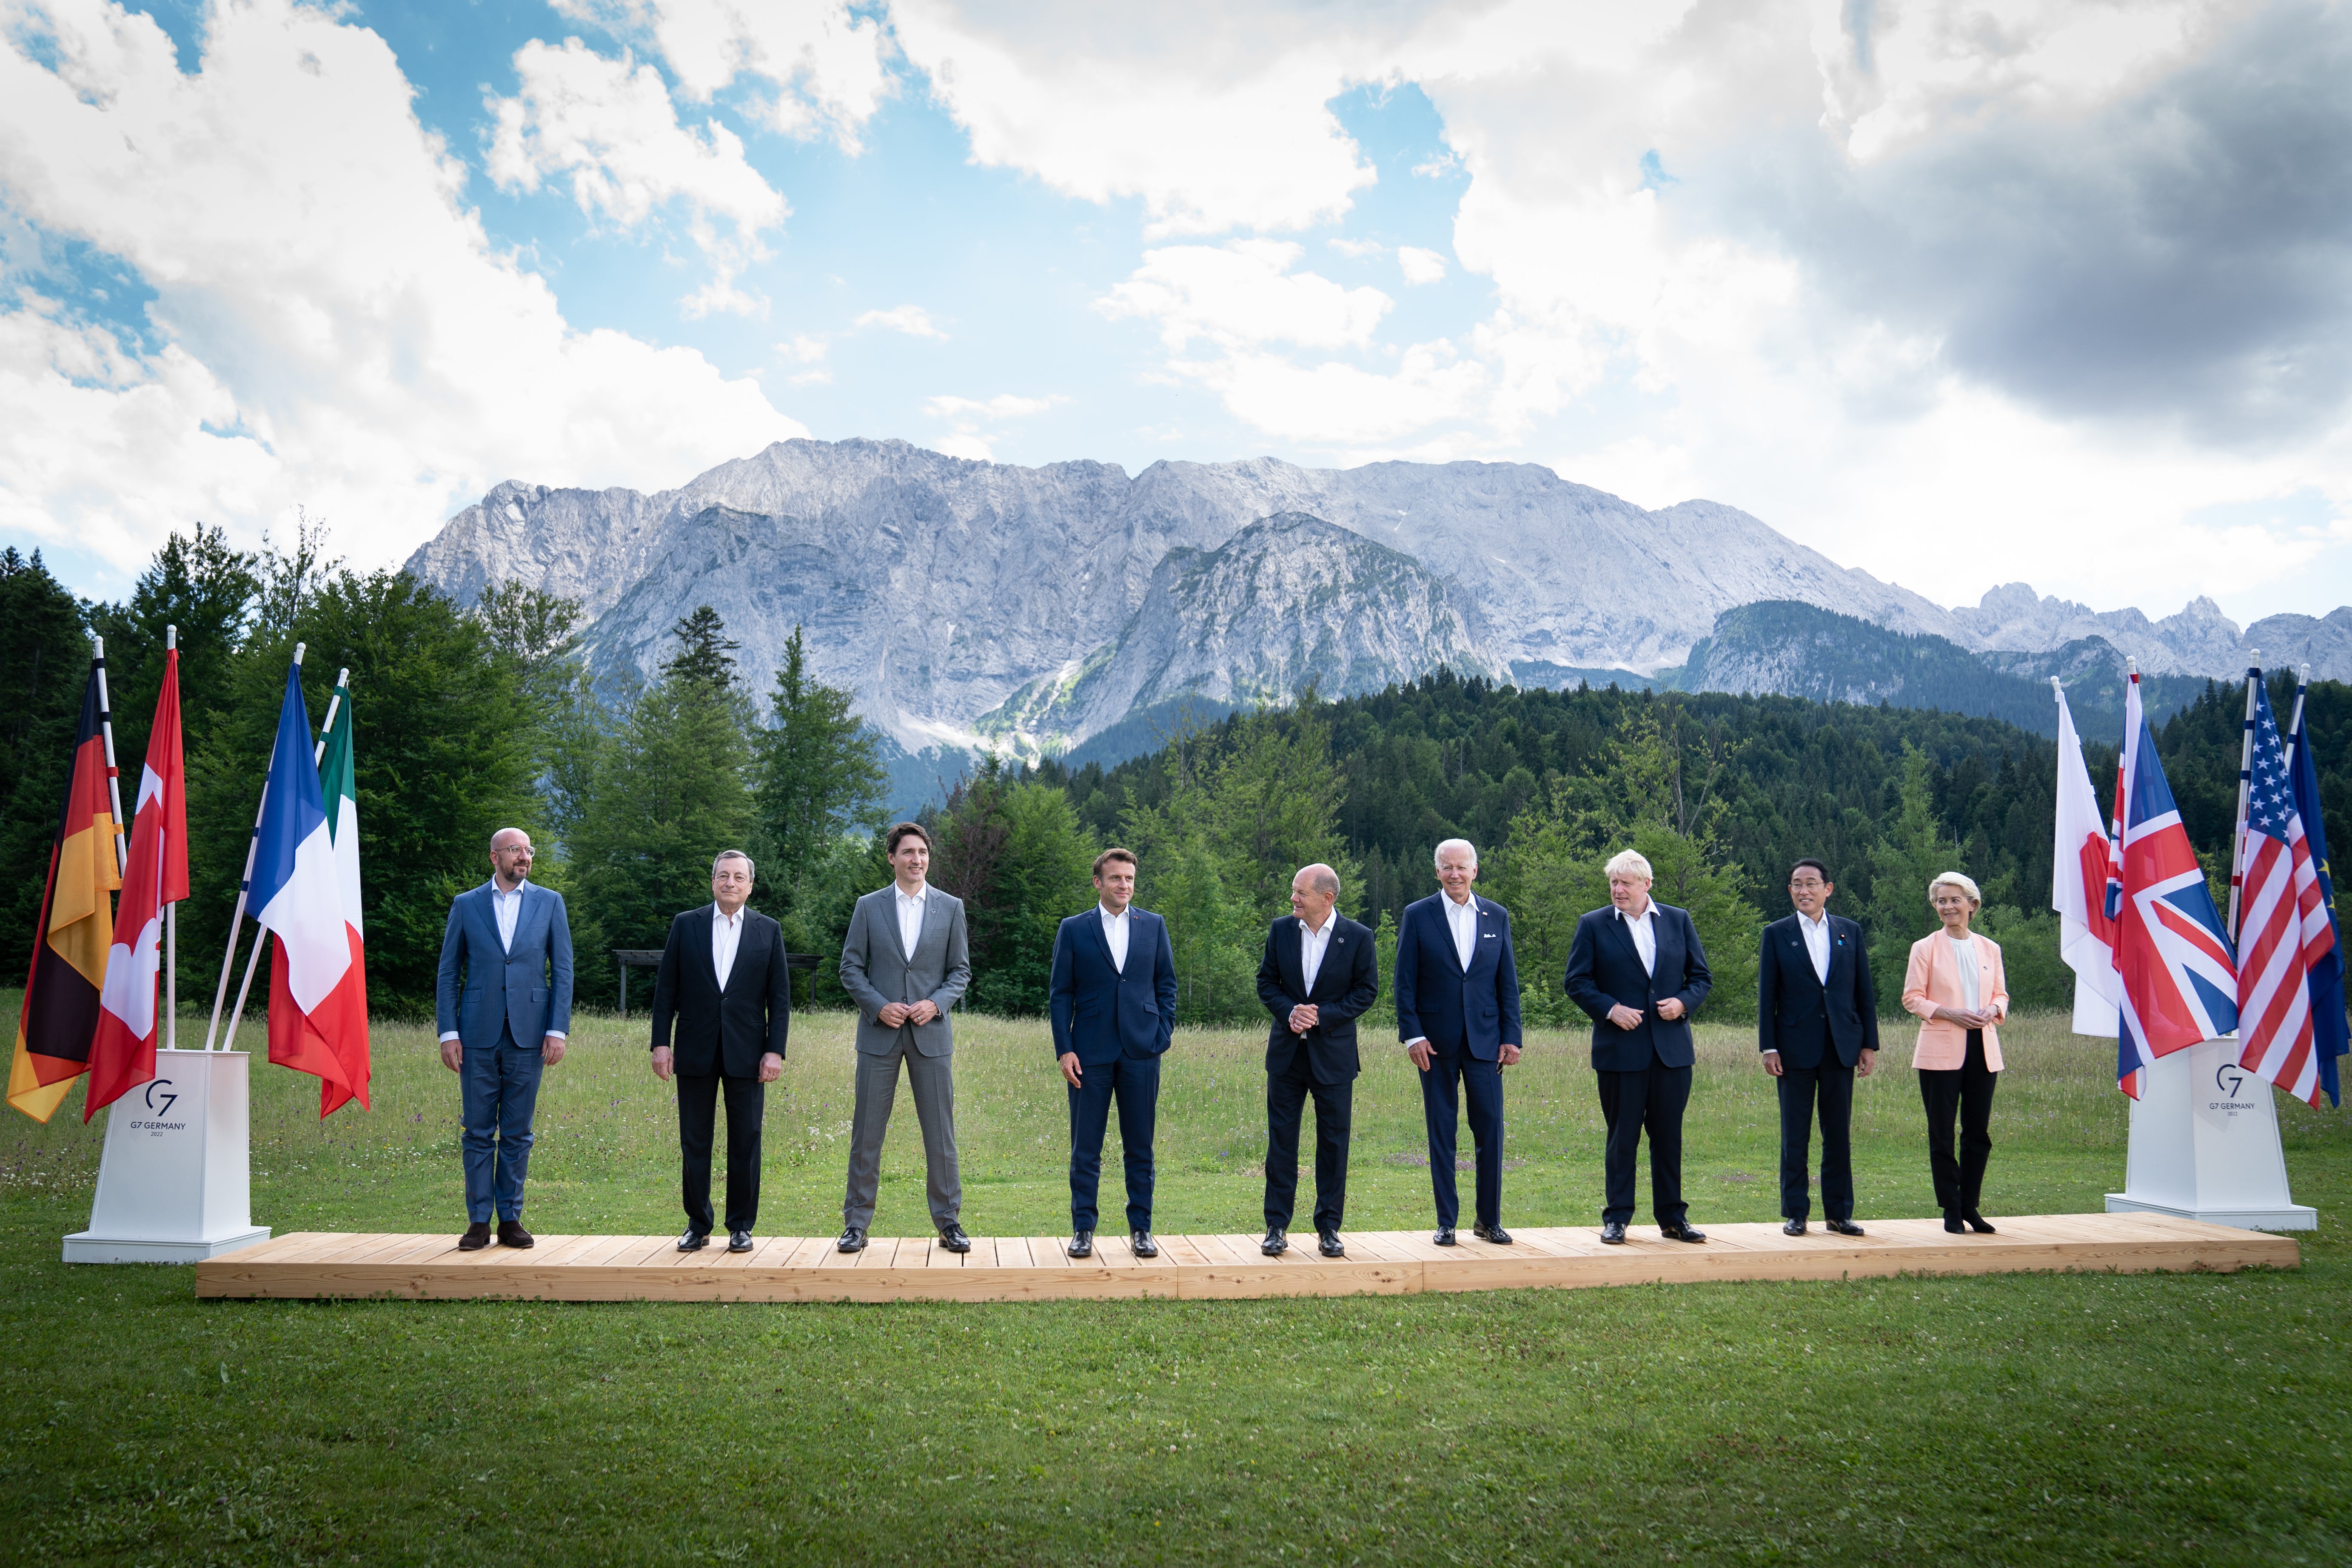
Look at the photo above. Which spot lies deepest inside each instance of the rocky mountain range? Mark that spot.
(973, 605)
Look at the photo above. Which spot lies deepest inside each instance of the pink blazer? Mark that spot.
(1933, 981)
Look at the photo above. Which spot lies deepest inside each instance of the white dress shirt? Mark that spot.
(1115, 929)
(1461, 920)
(508, 908)
(910, 916)
(1963, 959)
(1312, 946)
(726, 936)
(1816, 932)
(1644, 929)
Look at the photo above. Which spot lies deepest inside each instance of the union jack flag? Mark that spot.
(2283, 927)
(2180, 977)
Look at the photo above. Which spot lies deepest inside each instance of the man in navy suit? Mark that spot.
(1816, 1025)
(1317, 977)
(1637, 969)
(1457, 1001)
(503, 1004)
(1114, 1008)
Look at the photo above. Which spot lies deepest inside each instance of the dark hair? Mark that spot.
(1109, 855)
(903, 830)
(1816, 865)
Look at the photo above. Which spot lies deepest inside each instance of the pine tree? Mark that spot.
(207, 590)
(819, 776)
(44, 661)
(706, 653)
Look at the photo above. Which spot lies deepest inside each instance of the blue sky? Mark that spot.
(1889, 280)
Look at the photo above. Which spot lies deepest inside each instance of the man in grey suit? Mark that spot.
(905, 963)
(501, 1025)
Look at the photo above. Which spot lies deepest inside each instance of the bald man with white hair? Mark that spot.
(503, 1001)
(1457, 1001)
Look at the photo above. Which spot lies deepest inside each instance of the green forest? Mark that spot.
(474, 717)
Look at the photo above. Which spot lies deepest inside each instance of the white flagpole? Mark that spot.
(2245, 777)
(2302, 689)
(114, 782)
(254, 961)
(172, 917)
(228, 959)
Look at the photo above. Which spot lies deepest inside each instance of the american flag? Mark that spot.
(2283, 925)
(2179, 978)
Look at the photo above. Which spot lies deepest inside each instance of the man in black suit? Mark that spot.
(1637, 969)
(1319, 976)
(1816, 1025)
(723, 979)
(1112, 999)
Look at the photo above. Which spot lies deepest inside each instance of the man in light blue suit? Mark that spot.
(1457, 1000)
(504, 1005)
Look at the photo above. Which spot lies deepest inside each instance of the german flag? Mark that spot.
(76, 930)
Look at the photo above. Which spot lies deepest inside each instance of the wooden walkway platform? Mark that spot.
(310, 1264)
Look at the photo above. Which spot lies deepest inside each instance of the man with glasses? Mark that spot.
(1817, 1026)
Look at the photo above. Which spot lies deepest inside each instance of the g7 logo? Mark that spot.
(2229, 1079)
(165, 1109)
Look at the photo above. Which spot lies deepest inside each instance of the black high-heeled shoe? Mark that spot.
(1977, 1222)
(1952, 1223)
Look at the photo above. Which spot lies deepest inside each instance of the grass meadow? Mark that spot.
(2077, 1418)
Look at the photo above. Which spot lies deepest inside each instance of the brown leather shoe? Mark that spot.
(477, 1237)
(512, 1234)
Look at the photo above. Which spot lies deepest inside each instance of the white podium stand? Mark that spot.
(2205, 1145)
(173, 1186)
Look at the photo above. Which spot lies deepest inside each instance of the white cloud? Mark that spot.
(825, 68)
(609, 124)
(1214, 117)
(1358, 249)
(1243, 294)
(911, 320)
(336, 330)
(965, 444)
(1003, 406)
(1420, 266)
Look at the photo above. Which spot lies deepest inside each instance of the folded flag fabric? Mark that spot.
(122, 1053)
(2331, 1028)
(60, 1011)
(315, 1002)
(338, 783)
(2083, 889)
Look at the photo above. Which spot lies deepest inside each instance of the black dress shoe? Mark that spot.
(853, 1239)
(1444, 1237)
(952, 1237)
(1977, 1222)
(1494, 1233)
(1330, 1245)
(1277, 1242)
(512, 1234)
(1844, 1227)
(1613, 1231)
(477, 1237)
(1144, 1246)
(1682, 1232)
(693, 1240)
(1081, 1243)
(1953, 1224)
(1797, 1227)
(739, 1241)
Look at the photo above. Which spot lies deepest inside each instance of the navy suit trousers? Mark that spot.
(1630, 1104)
(1453, 1078)
(1832, 1087)
(1134, 1083)
(497, 1089)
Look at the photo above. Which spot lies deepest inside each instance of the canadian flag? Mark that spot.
(122, 1051)
(2084, 888)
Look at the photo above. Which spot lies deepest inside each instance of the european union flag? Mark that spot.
(2331, 1036)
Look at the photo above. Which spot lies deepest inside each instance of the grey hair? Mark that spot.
(503, 832)
(1437, 857)
(727, 855)
(1630, 862)
(1322, 879)
(1958, 879)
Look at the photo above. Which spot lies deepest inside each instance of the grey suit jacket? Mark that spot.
(876, 970)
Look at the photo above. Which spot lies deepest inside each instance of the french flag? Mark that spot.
(317, 1000)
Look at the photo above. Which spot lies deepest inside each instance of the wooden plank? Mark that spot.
(789, 1269)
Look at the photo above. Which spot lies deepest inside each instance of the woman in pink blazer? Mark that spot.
(1956, 984)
